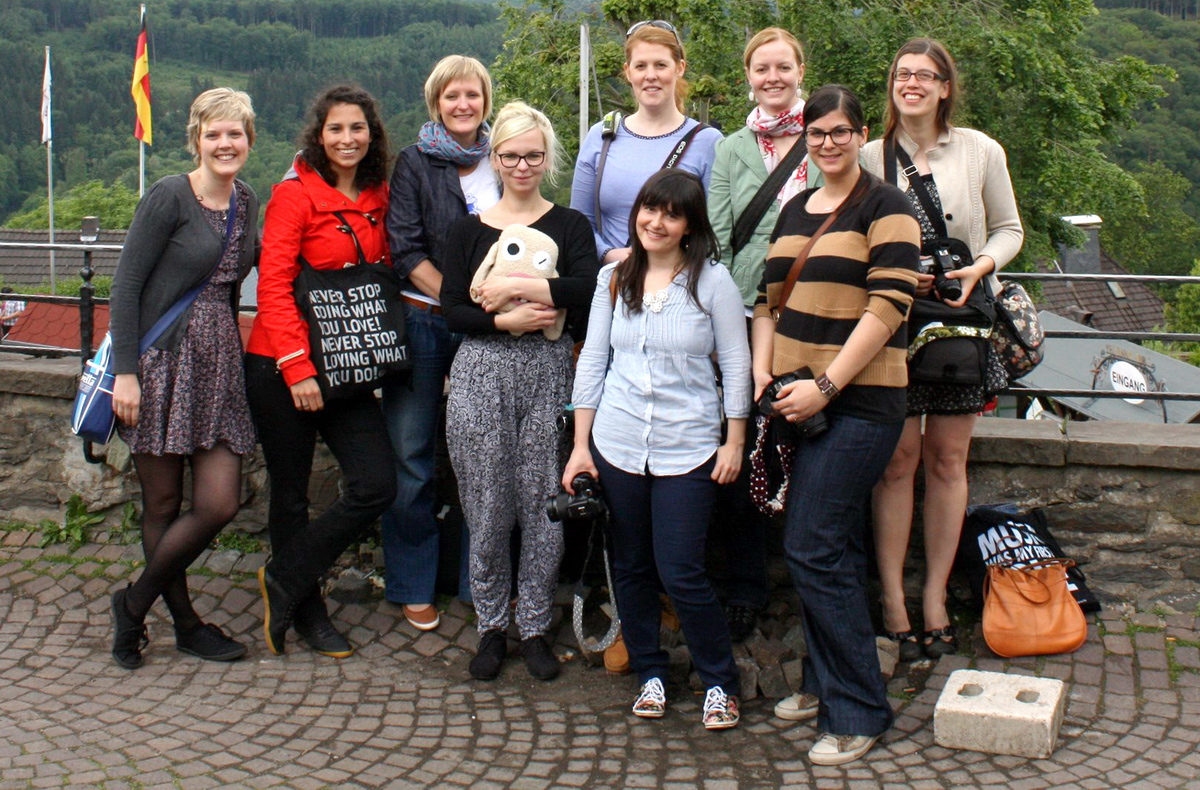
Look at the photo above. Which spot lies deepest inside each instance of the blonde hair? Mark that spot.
(515, 119)
(648, 34)
(766, 36)
(449, 69)
(218, 104)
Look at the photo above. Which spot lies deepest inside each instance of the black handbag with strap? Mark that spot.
(946, 345)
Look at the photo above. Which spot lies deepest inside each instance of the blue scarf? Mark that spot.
(434, 140)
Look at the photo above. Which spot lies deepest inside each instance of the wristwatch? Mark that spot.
(827, 387)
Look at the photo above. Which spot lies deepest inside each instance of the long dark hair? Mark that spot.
(832, 98)
(938, 53)
(372, 170)
(680, 192)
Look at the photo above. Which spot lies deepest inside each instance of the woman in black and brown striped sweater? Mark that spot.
(845, 320)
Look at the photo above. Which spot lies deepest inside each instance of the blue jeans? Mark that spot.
(824, 536)
(663, 522)
(409, 528)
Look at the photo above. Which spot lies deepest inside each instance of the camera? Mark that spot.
(942, 261)
(813, 426)
(586, 502)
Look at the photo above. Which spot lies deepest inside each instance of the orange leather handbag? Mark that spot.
(1029, 611)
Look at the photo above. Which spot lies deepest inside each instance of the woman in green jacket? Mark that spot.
(774, 64)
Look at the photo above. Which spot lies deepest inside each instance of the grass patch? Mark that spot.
(237, 541)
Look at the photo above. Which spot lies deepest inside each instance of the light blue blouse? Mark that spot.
(656, 403)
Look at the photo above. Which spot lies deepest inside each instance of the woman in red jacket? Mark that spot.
(342, 168)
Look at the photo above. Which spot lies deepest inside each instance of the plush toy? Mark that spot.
(520, 252)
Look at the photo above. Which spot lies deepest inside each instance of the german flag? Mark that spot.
(141, 87)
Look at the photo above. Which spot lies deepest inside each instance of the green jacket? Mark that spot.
(737, 173)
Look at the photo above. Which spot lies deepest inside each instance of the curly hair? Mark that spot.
(372, 170)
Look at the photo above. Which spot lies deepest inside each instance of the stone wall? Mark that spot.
(1122, 498)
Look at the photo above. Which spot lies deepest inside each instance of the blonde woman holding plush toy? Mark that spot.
(511, 379)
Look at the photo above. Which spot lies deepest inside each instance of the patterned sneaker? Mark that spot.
(720, 709)
(651, 702)
(840, 749)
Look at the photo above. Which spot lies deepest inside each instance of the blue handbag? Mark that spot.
(92, 417)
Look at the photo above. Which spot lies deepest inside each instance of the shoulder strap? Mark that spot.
(756, 209)
(608, 130)
(190, 295)
(679, 150)
(798, 264)
(612, 287)
(918, 184)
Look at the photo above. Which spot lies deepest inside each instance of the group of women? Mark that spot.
(824, 280)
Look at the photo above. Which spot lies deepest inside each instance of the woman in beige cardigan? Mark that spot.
(966, 174)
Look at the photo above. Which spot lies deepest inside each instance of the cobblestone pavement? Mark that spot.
(402, 713)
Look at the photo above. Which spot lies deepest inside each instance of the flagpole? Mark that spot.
(141, 168)
(48, 139)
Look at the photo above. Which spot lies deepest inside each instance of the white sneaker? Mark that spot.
(798, 707)
(840, 749)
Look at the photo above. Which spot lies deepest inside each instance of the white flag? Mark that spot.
(47, 134)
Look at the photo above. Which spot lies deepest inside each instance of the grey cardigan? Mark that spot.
(170, 247)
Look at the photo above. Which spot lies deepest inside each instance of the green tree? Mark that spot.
(113, 204)
(1162, 238)
(1183, 314)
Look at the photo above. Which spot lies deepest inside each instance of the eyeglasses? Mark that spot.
(924, 75)
(661, 24)
(840, 135)
(533, 158)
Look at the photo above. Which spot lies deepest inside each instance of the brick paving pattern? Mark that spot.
(402, 713)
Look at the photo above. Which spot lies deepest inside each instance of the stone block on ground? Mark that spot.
(772, 683)
(749, 672)
(999, 714)
(771, 652)
(794, 638)
(889, 656)
(352, 586)
(793, 673)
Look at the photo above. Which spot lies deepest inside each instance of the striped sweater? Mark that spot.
(866, 262)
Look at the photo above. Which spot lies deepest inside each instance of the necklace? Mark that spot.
(654, 302)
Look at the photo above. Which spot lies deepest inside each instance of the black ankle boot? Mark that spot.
(493, 647)
(129, 633)
(278, 610)
(315, 628)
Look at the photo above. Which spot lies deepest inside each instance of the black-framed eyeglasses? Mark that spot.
(922, 75)
(661, 24)
(533, 158)
(840, 136)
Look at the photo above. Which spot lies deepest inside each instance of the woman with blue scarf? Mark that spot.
(443, 178)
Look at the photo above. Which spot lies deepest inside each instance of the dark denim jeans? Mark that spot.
(826, 526)
(740, 532)
(409, 528)
(353, 429)
(663, 522)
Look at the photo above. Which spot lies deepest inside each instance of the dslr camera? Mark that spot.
(585, 503)
(942, 261)
(813, 426)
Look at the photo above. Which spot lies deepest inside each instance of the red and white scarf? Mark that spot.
(766, 128)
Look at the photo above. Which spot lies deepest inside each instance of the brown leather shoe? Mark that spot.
(616, 657)
(425, 619)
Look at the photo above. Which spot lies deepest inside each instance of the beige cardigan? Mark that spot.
(971, 173)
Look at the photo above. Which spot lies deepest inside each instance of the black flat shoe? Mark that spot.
(278, 609)
(539, 658)
(130, 637)
(313, 625)
(941, 642)
(209, 642)
(910, 648)
(493, 647)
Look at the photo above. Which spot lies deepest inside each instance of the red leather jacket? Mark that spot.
(300, 221)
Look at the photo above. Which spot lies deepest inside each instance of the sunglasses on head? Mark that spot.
(661, 24)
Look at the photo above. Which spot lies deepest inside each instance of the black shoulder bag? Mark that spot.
(756, 209)
(355, 323)
(946, 345)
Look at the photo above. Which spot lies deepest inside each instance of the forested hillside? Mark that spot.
(281, 51)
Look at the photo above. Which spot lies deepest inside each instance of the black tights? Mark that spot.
(172, 541)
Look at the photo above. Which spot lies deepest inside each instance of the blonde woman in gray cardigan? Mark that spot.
(966, 174)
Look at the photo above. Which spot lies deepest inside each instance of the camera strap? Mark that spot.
(591, 644)
(893, 153)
